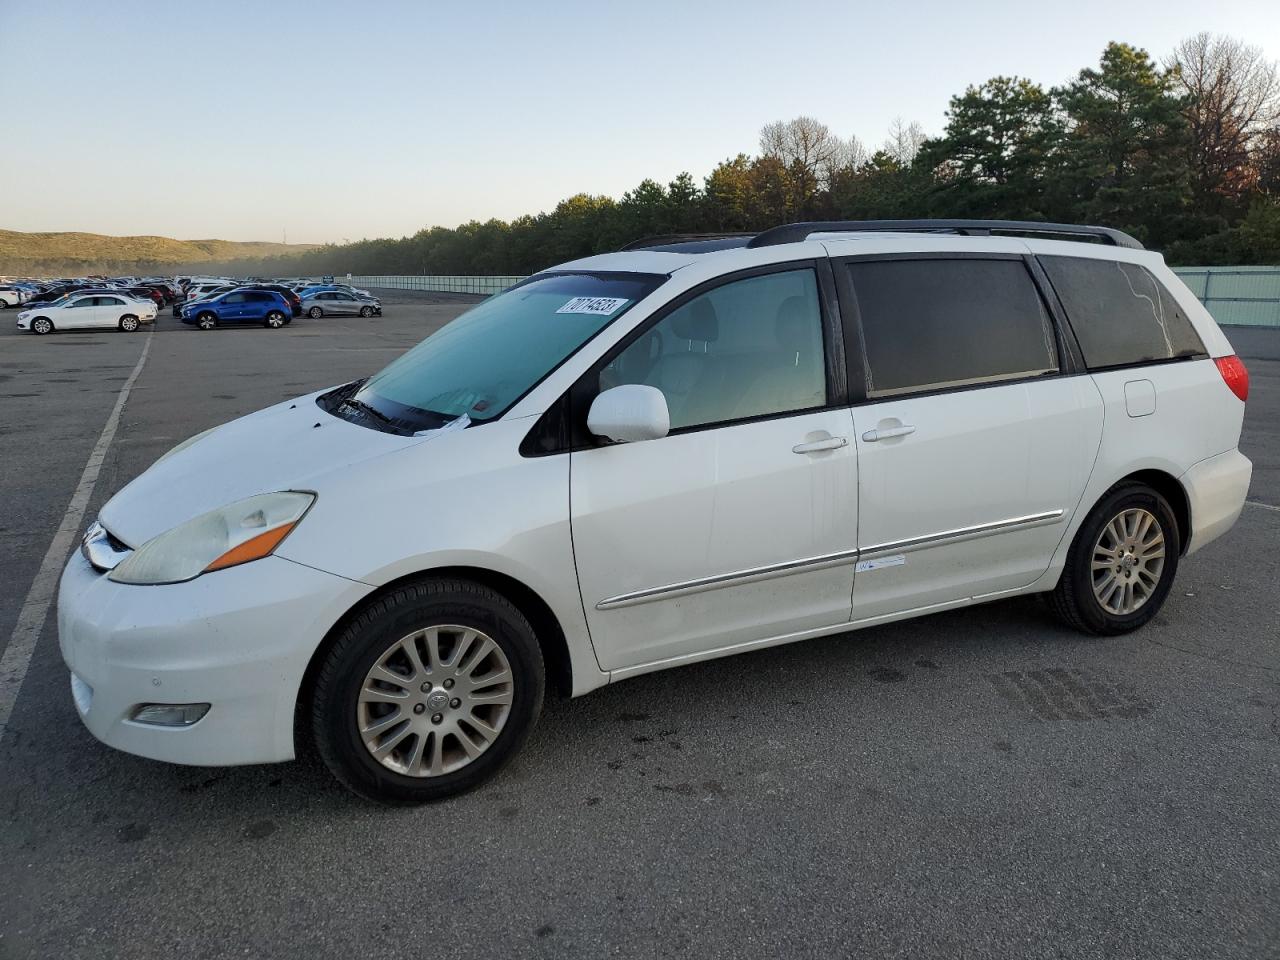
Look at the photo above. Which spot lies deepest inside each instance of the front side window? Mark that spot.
(234, 298)
(1120, 313)
(488, 358)
(749, 348)
(936, 324)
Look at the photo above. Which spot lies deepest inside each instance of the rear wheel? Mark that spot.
(275, 320)
(428, 692)
(128, 323)
(206, 321)
(315, 313)
(1121, 564)
(42, 325)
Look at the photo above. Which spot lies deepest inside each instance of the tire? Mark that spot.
(375, 639)
(1130, 516)
(315, 313)
(206, 321)
(275, 320)
(4, 304)
(41, 326)
(366, 312)
(128, 323)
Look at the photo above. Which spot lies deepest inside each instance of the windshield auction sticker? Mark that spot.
(597, 306)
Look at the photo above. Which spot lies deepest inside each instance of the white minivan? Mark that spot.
(686, 449)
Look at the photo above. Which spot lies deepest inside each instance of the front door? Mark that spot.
(79, 314)
(740, 525)
(973, 447)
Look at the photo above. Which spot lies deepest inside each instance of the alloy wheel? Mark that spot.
(435, 700)
(1128, 560)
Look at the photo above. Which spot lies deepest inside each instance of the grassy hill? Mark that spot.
(89, 252)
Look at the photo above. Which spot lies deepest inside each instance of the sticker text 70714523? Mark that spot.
(599, 306)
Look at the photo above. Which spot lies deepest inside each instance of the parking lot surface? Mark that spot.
(981, 783)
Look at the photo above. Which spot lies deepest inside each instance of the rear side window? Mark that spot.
(937, 324)
(1120, 312)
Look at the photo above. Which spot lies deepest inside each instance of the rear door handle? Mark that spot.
(871, 436)
(831, 443)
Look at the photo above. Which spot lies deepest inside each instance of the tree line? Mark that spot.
(1182, 153)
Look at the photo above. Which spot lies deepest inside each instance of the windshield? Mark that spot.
(488, 358)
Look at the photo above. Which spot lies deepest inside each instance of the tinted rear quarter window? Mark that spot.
(937, 323)
(1120, 312)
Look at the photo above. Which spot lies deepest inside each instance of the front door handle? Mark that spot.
(871, 436)
(831, 443)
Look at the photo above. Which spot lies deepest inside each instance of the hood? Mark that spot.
(291, 446)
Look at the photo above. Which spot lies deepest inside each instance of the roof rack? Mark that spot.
(795, 232)
(705, 242)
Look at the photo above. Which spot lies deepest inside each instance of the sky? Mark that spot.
(328, 121)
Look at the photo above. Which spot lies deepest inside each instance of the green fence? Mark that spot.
(1237, 296)
(481, 285)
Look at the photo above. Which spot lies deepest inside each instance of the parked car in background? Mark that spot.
(84, 311)
(145, 293)
(57, 293)
(339, 303)
(263, 307)
(294, 301)
(13, 296)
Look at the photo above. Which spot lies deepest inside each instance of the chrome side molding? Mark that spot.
(965, 533)
(750, 575)
(770, 571)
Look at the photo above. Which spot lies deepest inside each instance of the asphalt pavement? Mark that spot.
(980, 783)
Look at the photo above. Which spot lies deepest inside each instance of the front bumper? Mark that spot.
(239, 639)
(1216, 490)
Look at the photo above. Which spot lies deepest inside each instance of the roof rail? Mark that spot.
(706, 240)
(795, 232)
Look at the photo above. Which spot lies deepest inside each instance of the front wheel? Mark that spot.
(428, 692)
(206, 321)
(128, 323)
(275, 320)
(366, 312)
(42, 325)
(315, 313)
(1121, 564)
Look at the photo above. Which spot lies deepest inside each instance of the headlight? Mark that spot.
(248, 530)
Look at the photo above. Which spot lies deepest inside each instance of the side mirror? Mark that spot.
(629, 413)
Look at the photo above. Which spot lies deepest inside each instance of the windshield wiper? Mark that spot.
(365, 408)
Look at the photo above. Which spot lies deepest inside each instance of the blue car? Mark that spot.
(265, 307)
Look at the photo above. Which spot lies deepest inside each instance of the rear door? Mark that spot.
(107, 311)
(976, 433)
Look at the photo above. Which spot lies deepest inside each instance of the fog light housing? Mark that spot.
(169, 714)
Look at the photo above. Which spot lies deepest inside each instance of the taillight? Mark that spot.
(1234, 375)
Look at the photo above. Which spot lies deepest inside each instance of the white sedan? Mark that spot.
(90, 310)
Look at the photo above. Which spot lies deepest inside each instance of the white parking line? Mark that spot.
(35, 608)
(1264, 506)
